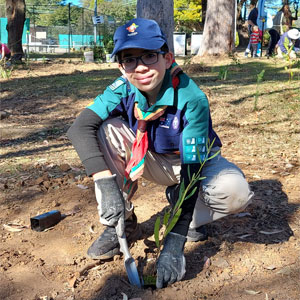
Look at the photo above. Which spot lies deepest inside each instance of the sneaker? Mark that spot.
(107, 245)
(195, 234)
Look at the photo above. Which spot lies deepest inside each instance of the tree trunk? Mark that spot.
(15, 11)
(218, 34)
(162, 11)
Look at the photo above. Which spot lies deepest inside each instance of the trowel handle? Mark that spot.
(122, 238)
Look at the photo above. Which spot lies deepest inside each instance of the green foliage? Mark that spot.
(223, 72)
(237, 39)
(290, 63)
(188, 15)
(5, 72)
(117, 9)
(56, 14)
(259, 79)
(172, 215)
(99, 53)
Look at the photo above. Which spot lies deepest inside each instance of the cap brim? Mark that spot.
(154, 45)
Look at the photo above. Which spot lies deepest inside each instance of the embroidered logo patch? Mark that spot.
(192, 146)
(175, 123)
(132, 28)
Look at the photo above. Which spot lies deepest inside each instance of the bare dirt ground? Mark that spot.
(251, 255)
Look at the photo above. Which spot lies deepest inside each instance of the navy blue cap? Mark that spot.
(139, 33)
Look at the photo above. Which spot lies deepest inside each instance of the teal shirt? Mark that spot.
(184, 127)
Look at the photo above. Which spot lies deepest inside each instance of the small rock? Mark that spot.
(3, 114)
(220, 262)
(65, 167)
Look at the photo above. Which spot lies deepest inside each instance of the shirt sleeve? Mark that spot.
(83, 135)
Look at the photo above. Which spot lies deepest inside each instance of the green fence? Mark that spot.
(71, 28)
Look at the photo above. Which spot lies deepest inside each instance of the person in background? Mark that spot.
(254, 40)
(286, 43)
(5, 52)
(252, 21)
(282, 22)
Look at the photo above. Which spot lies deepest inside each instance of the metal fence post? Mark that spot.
(69, 21)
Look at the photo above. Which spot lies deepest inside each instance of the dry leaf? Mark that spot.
(81, 186)
(73, 279)
(207, 262)
(244, 236)
(251, 292)
(272, 267)
(14, 227)
(243, 214)
(125, 297)
(270, 232)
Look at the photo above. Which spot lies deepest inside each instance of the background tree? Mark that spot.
(188, 15)
(15, 12)
(218, 34)
(162, 11)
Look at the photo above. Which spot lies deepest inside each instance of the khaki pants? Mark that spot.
(224, 191)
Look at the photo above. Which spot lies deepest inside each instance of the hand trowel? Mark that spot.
(129, 262)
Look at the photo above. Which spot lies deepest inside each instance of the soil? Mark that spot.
(250, 255)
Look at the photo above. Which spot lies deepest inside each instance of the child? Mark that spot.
(155, 102)
(254, 40)
(4, 51)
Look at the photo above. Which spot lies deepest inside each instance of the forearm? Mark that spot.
(188, 205)
(83, 135)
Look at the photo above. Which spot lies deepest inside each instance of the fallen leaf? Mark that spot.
(125, 297)
(207, 262)
(272, 267)
(243, 214)
(14, 227)
(251, 292)
(81, 186)
(72, 281)
(271, 232)
(244, 236)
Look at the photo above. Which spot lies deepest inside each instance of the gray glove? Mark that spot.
(171, 262)
(110, 200)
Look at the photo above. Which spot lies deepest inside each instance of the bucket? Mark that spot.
(89, 56)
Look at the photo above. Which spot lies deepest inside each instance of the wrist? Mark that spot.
(174, 243)
(102, 174)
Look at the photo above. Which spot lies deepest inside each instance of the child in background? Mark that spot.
(254, 40)
(4, 51)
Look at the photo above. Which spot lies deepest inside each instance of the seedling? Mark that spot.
(172, 215)
(223, 72)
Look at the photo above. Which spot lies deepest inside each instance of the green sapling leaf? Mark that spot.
(166, 218)
(156, 232)
(191, 194)
(173, 222)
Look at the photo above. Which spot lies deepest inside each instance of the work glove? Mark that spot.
(171, 262)
(110, 200)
